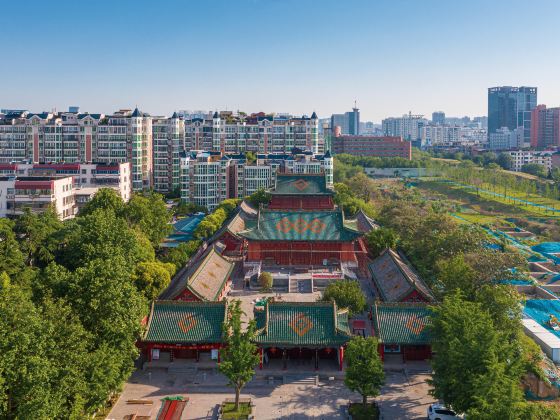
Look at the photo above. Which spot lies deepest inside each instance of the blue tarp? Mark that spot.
(515, 282)
(547, 249)
(541, 309)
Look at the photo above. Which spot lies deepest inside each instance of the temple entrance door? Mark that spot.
(184, 354)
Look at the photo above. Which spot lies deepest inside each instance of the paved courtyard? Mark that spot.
(405, 396)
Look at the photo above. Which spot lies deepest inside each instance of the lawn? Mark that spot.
(229, 412)
(358, 412)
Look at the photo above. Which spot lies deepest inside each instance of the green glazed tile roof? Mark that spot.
(300, 226)
(401, 323)
(179, 322)
(302, 184)
(302, 324)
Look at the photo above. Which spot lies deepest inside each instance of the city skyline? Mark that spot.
(241, 55)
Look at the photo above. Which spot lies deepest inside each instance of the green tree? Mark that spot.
(380, 239)
(104, 199)
(250, 157)
(261, 196)
(37, 237)
(534, 169)
(364, 372)
(265, 281)
(102, 235)
(346, 294)
(536, 411)
(505, 160)
(477, 369)
(180, 255)
(24, 368)
(148, 212)
(11, 257)
(239, 356)
(152, 277)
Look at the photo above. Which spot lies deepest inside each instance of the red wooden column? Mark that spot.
(260, 358)
(341, 357)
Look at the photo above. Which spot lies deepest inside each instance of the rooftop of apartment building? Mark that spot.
(229, 116)
(296, 155)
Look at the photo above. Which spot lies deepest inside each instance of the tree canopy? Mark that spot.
(239, 355)
(346, 294)
(364, 372)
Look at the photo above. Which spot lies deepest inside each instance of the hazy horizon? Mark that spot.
(291, 56)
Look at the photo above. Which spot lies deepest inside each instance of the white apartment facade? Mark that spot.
(524, 157)
(125, 136)
(409, 126)
(230, 133)
(85, 175)
(37, 194)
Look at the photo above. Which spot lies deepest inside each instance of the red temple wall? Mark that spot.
(300, 253)
(414, 296)
(298, 202)
(188, 296)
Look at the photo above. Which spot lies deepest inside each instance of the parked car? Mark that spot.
(441, 412)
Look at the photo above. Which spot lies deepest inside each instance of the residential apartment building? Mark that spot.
(230, 133)
(385, 146)
(168, 136)
(524, 157)
(438, 117)
(504, 139)
(207, 178)
(409, 127)
(85, 175)
(125, 136)
(152, 145)
(545, 127)
(510, 106)
(37, 194)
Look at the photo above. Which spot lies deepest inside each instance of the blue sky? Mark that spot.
(295, 56)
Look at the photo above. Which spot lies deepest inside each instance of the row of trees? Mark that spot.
(214, 221)
(72, 296)
(500, 182)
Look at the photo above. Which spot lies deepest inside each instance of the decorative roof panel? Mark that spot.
(179, 322)
(302, 324)
(401, 323)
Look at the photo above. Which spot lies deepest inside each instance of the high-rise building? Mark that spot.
(228, 133)
(545, 127)
(511, 107)
(169, 141)
(438, 117)
(349, 122)
(409, 126)
(125, 136)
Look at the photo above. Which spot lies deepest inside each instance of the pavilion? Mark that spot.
(183, 330)
(402, 330)
(302, 330)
